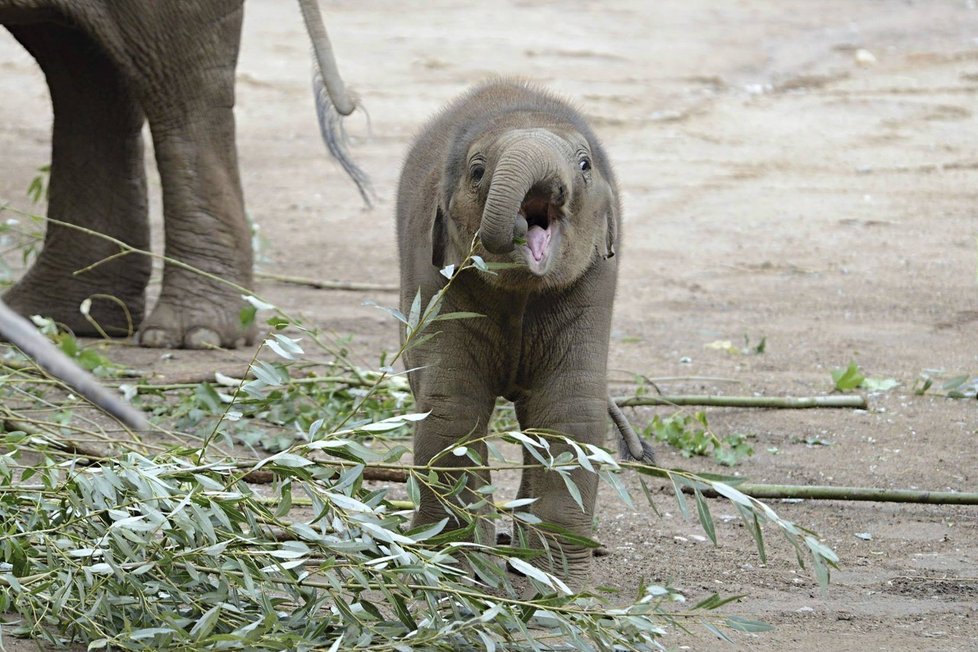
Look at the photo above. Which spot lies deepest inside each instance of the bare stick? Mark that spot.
(346, 286)
(871, 494)
(782, 402)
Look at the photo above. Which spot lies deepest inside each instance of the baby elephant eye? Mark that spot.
(477, 172)
(584, 164)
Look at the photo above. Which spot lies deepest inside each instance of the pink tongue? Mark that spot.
(538, 239)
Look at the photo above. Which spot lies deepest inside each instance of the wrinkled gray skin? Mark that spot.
(111, 65)
(22, 334)
(511, 161)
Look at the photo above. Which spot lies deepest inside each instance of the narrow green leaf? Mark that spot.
(206, 623)
(716, 601)
(680, 498)
(706, 520)
(414, 316)
(572, 489)
(423, 532)
(413, 490)
(745, 625)
(727, 491)
(530, 571)
(611, 477)
(458, 315)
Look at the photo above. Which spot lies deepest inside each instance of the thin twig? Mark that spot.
(782, 402)
(13, 424)
(346, 286)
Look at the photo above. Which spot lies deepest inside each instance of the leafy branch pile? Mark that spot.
(151, 546)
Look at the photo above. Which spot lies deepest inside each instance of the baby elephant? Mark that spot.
(524, 170)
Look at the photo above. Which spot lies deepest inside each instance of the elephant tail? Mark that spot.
(22, 334)
(333, 100)
(335, 138)
(630, 445)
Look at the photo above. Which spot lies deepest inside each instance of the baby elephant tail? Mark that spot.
(631, 447)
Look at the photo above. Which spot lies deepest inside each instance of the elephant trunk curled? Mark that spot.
(523, 165)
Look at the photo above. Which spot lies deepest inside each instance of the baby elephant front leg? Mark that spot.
(452, 423)
(582, 419)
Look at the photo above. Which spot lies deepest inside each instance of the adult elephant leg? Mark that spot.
(572, 404)
(97, 182)
(189, 99)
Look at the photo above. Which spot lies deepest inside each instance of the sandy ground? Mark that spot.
(799, 170)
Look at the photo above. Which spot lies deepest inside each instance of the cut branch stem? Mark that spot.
(870, 494)
(781, 402)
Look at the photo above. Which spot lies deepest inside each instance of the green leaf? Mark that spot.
(285, 347)
(706, 520)
(745, 625)
(716, 631)
(729, 492)
(752, 522)
(458, 315)
(849, 378)
(285, 500)
(206, 623)
(955, 383)
(423, 532)
(879, 384)
(289, 460)
(680, 498)
(530, 571)
(572, 489)
(268, 374)
(611, 477)
(413, 491)
(246, 316)
(716, 601)
(568, 536)
(414, 316)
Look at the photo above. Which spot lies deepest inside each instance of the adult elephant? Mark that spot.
(111, 65)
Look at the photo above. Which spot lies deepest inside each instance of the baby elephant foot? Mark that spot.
(205, 324)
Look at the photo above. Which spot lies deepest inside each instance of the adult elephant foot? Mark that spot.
(204, 318)
(115, 301)
(98, 185)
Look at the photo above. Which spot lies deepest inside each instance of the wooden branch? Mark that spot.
(346, 286)
(870, 494)
(782, 402)
(379, 475)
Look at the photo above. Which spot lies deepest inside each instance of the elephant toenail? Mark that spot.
(156, 338)
(202, 338)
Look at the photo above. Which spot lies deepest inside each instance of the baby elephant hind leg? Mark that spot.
(582, 419)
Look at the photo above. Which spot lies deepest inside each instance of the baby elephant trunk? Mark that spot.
(535, 160)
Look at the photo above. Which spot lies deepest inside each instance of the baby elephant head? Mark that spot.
(540, 195)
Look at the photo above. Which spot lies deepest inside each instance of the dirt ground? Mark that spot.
(805, 171)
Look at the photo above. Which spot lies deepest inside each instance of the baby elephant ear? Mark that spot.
(439, 239)
(610, 210)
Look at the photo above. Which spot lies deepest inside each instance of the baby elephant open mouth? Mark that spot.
(542, 213)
